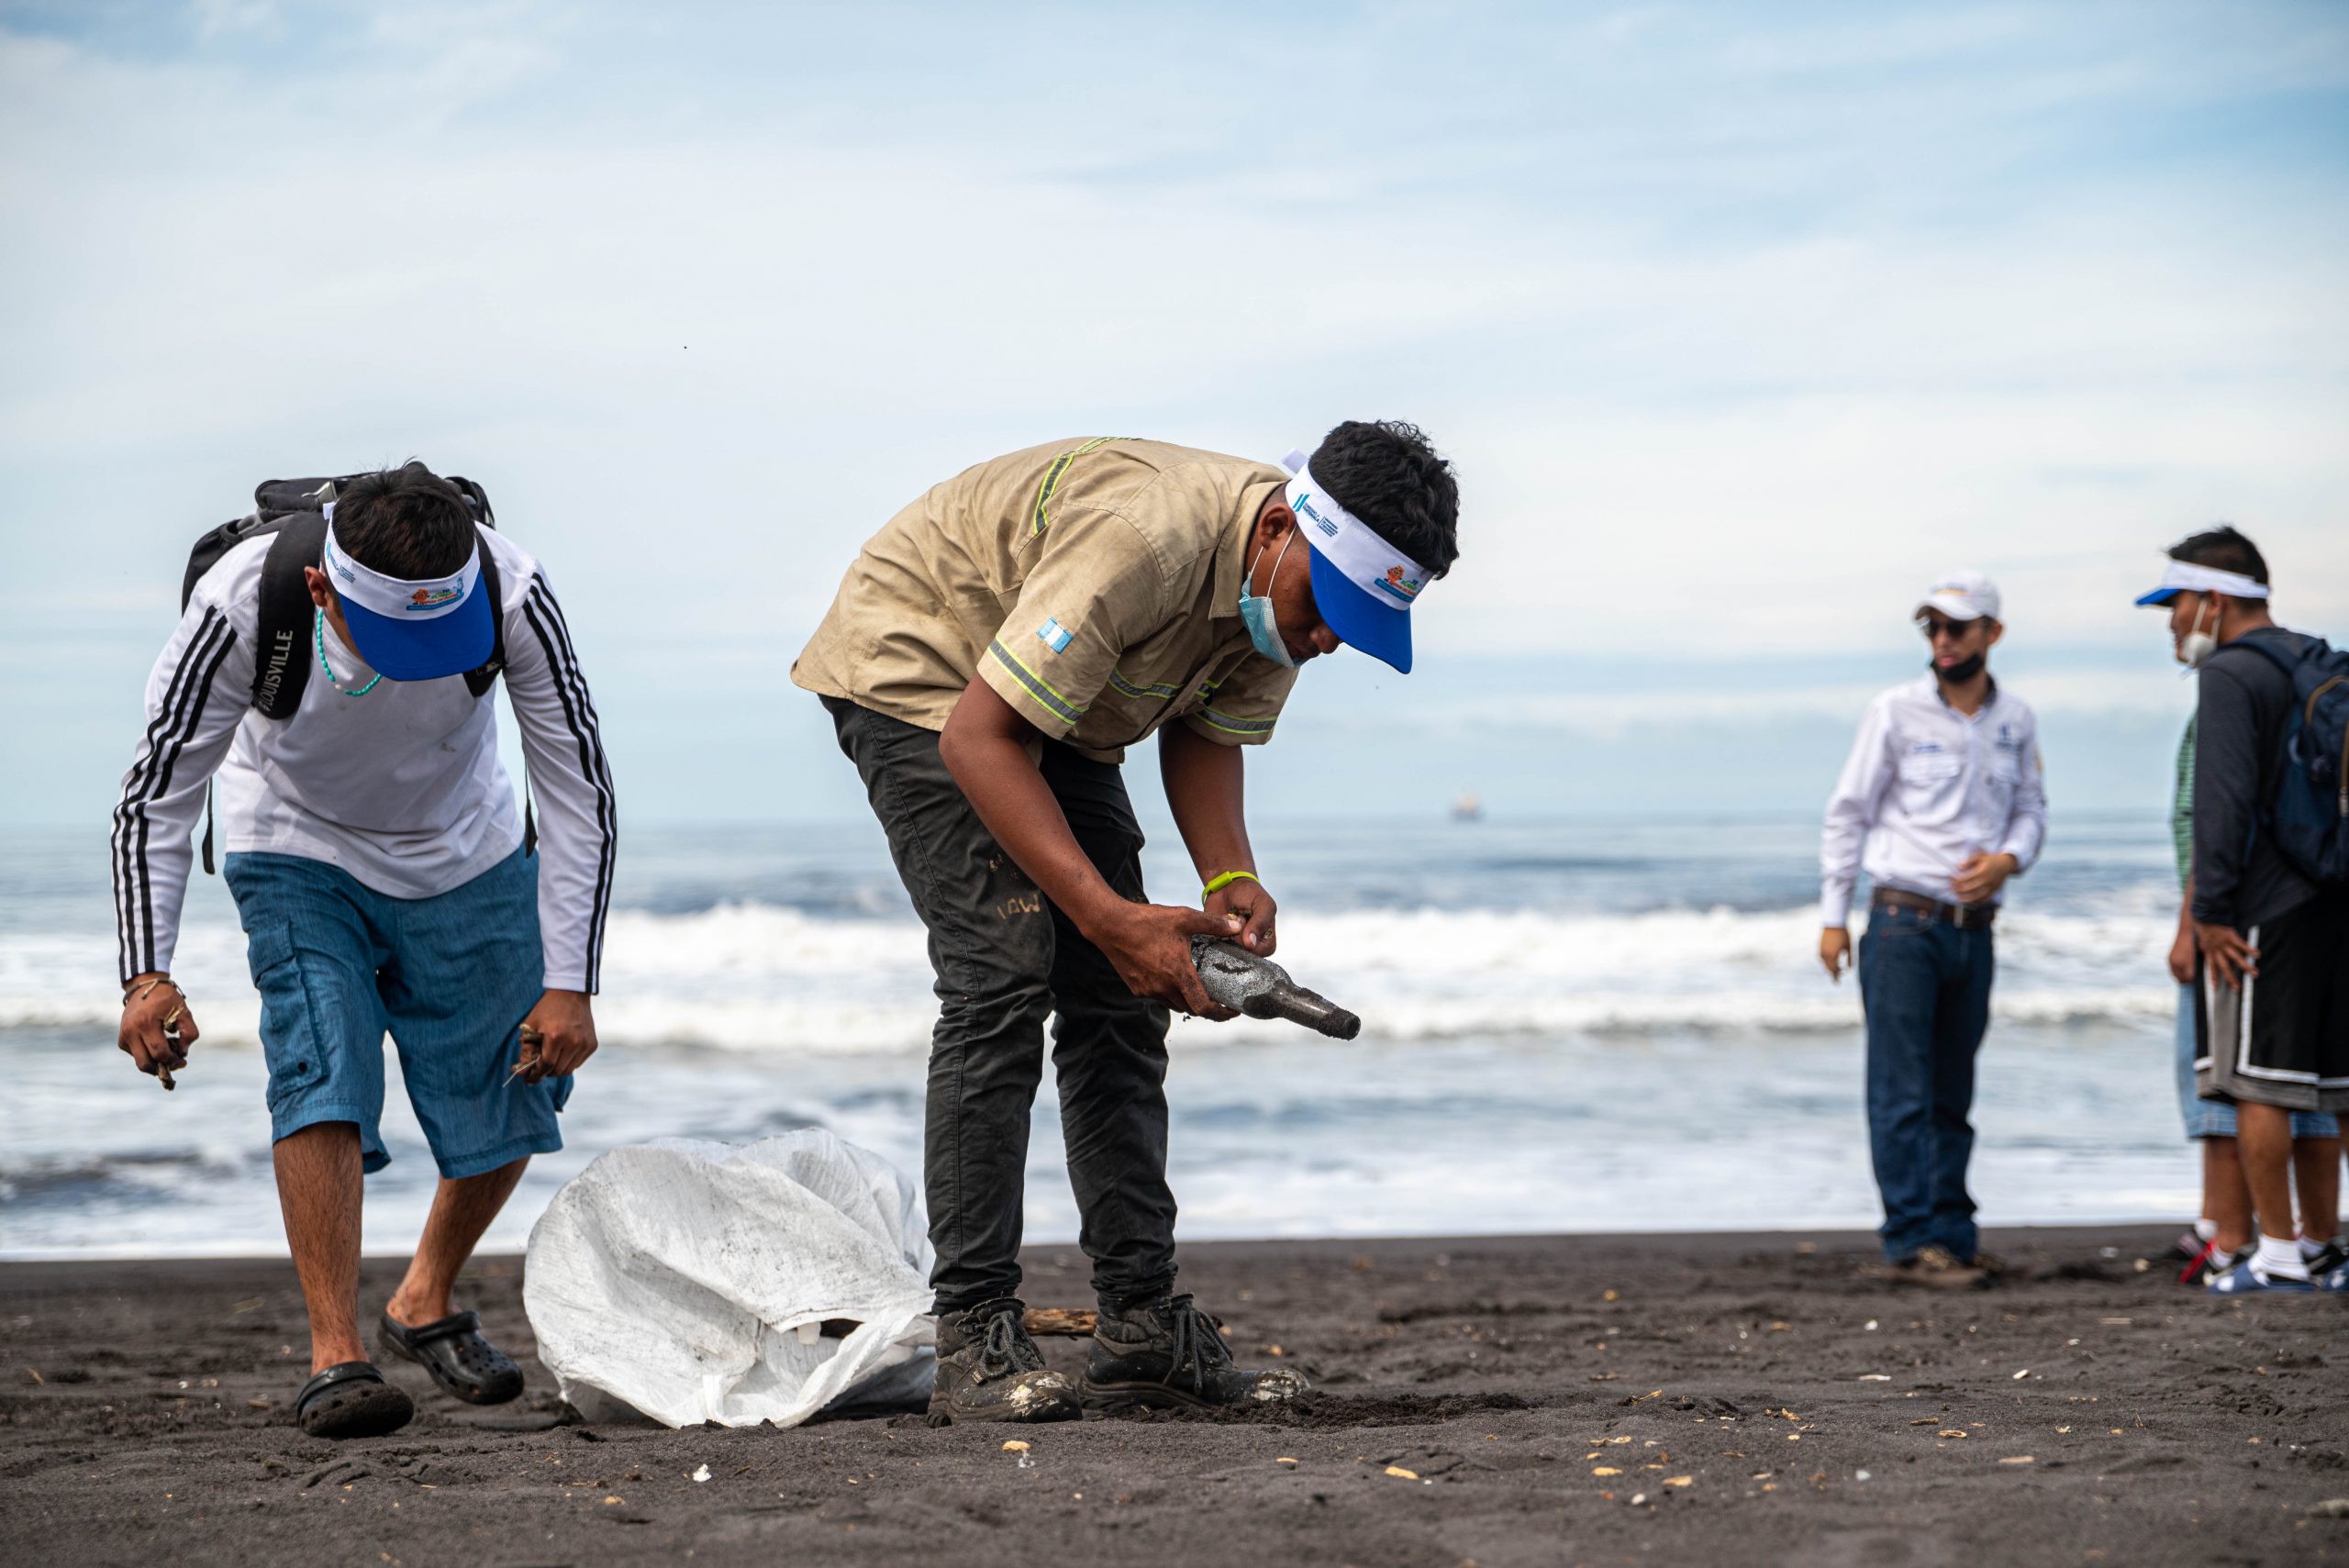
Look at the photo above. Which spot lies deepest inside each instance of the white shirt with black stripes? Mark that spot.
(402, 787)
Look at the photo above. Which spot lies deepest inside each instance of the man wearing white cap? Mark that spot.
(1941, 802)
(336, 674)
(2271, 935)
(990, 655)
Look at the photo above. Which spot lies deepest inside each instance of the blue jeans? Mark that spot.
(452, 977)
(1926, 986)
(2216, 1118)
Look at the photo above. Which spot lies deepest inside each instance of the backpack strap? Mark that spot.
(476, 497)
(2288, 663)
(281, 653)
(480, 679)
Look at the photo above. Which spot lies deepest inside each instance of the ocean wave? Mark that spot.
(762, 978)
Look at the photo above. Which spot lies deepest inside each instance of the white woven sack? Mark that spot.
(690, 1281)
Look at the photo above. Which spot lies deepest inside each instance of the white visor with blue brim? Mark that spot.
(1363, 585)
(412, 630)
(2184, 575)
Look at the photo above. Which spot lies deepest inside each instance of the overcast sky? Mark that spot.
(1739, 322)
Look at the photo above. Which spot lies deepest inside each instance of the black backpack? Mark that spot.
(2309, 817)
(293, 510)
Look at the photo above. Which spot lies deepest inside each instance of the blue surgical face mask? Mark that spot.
(1256, 612)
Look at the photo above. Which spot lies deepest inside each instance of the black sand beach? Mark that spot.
(1750, 1398)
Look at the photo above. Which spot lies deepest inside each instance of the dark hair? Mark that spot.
(405, 522)
(2222, 549)
(1385, 473)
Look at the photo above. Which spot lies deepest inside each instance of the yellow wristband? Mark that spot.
(1218, 884)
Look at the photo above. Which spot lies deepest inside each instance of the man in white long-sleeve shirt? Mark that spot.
(382, 877)
(1940, 803)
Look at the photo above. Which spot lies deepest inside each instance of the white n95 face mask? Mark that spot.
(1256, 612)
(2197, 645)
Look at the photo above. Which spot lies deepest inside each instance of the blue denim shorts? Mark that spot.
(451, 977)
(2216, 1118)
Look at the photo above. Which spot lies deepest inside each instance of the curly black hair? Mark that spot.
(1386, 472)
(405, 522)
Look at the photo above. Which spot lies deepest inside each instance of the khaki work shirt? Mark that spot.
(1094, 584)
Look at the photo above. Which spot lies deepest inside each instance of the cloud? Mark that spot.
(215, 17)
(1740, 325)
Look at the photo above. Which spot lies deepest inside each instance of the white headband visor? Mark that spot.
(1369, 562)
(424, 599)
(1363, 585)
(2186, 575)
(414, 630)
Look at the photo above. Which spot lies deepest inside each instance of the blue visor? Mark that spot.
(2158, 596)
(399, 649)
(1360, 617)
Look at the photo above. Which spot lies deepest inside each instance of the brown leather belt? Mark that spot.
(1964, 916)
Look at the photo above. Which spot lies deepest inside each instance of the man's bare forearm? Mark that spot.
(984, 746)
(1206, 791)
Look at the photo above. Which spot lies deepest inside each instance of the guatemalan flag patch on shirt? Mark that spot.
(1056, 635)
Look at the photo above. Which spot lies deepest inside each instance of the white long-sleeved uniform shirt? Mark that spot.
(1925, 788)
(402, 787)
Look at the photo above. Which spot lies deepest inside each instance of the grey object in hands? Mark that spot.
(1261, 989)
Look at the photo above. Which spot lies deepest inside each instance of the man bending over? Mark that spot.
(991, 654)
(379, 869)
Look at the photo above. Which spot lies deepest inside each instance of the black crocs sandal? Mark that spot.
(456, 1355)
(351, 1400)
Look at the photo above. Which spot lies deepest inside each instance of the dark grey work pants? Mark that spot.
(1005, 958)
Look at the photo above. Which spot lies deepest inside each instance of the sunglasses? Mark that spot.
(1935, 625)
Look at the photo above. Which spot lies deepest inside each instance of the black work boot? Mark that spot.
(1167, 1352)
(989, 1369)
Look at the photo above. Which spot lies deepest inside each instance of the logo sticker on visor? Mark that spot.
(1362, 555)
(431, 598)
(1395, 584)
(1304, 504)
